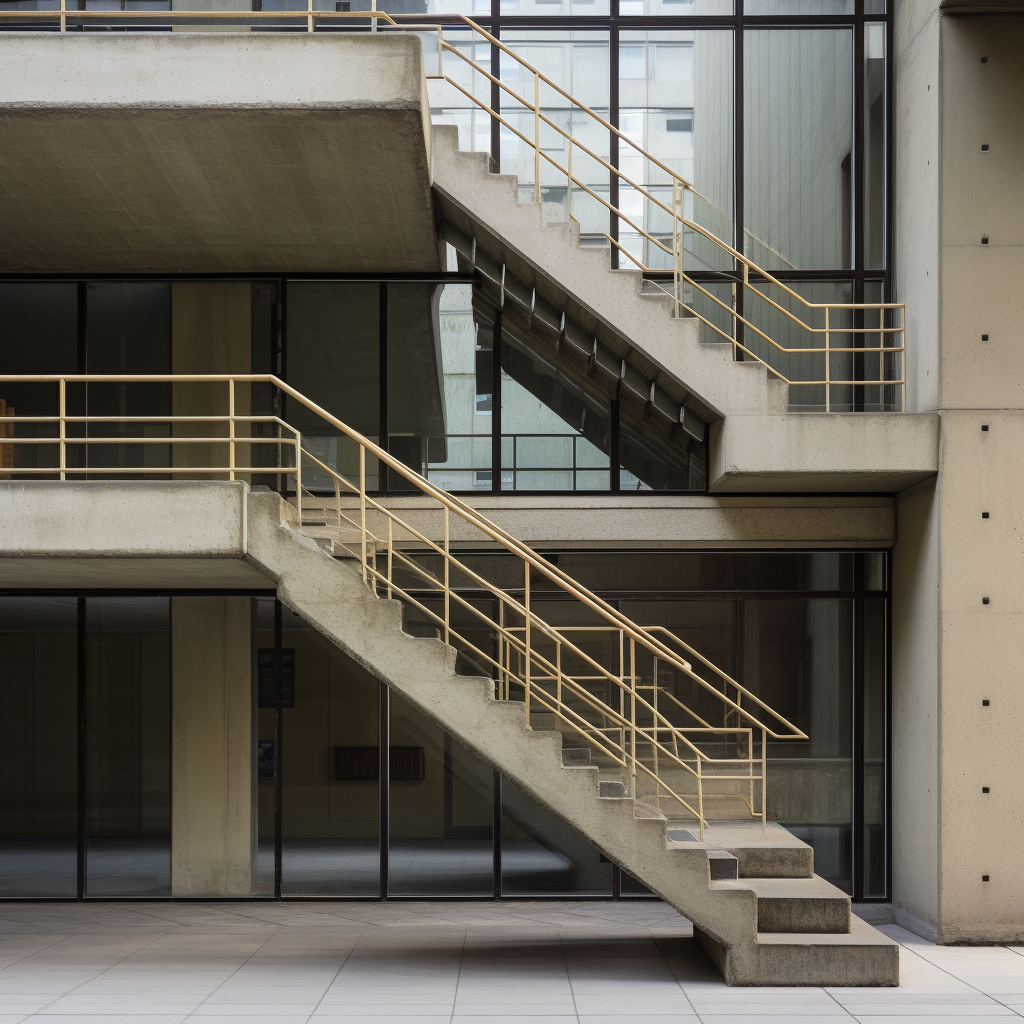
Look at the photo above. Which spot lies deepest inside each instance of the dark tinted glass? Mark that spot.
(441, 818)
(128, 744)
(328, 768)
(39, 782)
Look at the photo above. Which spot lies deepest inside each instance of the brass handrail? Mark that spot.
(613, 709)
(744, 278)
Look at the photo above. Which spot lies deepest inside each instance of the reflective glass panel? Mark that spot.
(128, 746)
(334, 360)
(676, 102)
(798, 148)
(798, 658)
(329, 768)
(129, 325)
(577, 62)
(541, 855)
(38, 335)
(441, 819)
(874, 195)
(39, 783)
(441, 384)
(874, 748)
(554, 433)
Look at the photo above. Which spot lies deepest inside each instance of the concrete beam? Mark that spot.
(819, 452)
(214, 152)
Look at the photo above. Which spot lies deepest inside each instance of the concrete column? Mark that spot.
(958, 616)
(211, 332)
(212, 770)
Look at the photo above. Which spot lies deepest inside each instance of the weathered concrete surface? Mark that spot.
(214, 152)
(823, 452)
(676, 522)
(182, 518)
(958, 605)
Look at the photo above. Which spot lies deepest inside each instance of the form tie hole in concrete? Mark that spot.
(984, 239)
(985, 789)
(984, 515)
(984, 600)
(984, 147)
(984, 337)
(984, 426)
(985, 703)
(984, 878)
(984, 60)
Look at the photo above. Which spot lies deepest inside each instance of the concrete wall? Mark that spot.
(211, 747)
(961, 238)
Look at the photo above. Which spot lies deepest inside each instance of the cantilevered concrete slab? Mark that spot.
(214, 152)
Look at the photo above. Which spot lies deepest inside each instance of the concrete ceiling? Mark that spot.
(214, 153)
(982, 6)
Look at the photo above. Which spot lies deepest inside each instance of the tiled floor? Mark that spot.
(439, 963)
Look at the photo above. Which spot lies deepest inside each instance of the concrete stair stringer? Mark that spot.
(331, 596)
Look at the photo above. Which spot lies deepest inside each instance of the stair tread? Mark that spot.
(815, 888)
(860, 934)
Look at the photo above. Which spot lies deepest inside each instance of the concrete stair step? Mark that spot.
(774, 853)
(810, 906)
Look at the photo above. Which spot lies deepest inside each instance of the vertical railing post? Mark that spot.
(362, 509)
(568, 177)
(231, 429)
(447, 587)
(298, 474)
(828, 364)
(373, 10)
(503, 653)
(62, 401)
(391, 545)
(309, 15)
(764, 783)
(700, 793)
(632, 714)
(63, 16)
(536, 137)
(677, 246)
(526, 635)
(558, 672)
(440, 51)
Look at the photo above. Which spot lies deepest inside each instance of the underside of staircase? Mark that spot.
(755, 903)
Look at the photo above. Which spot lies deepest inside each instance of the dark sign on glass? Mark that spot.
(266, 677)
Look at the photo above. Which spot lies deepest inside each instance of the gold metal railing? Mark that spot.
(521, 627)
(846, 345)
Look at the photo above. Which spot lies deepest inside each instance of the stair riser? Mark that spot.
(803, 916)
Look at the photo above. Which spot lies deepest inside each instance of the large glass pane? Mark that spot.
(554, 433)
(652, 460)
(328, 768)
(541, 855)
(676, 102)
(265, 754)
(874, 748)
(39, 783)
(448, 104)
(798, 659)
(672, 572)
(874, 146)
(798, 148)
(798, 327)
(441, 819)
(577, 62)
(38, 335)
(676, 8)
(128, 746)
(440, 371)
(129, 333)
(334, 361)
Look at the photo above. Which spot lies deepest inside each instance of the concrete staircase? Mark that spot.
(614, 308)
(755, 903)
